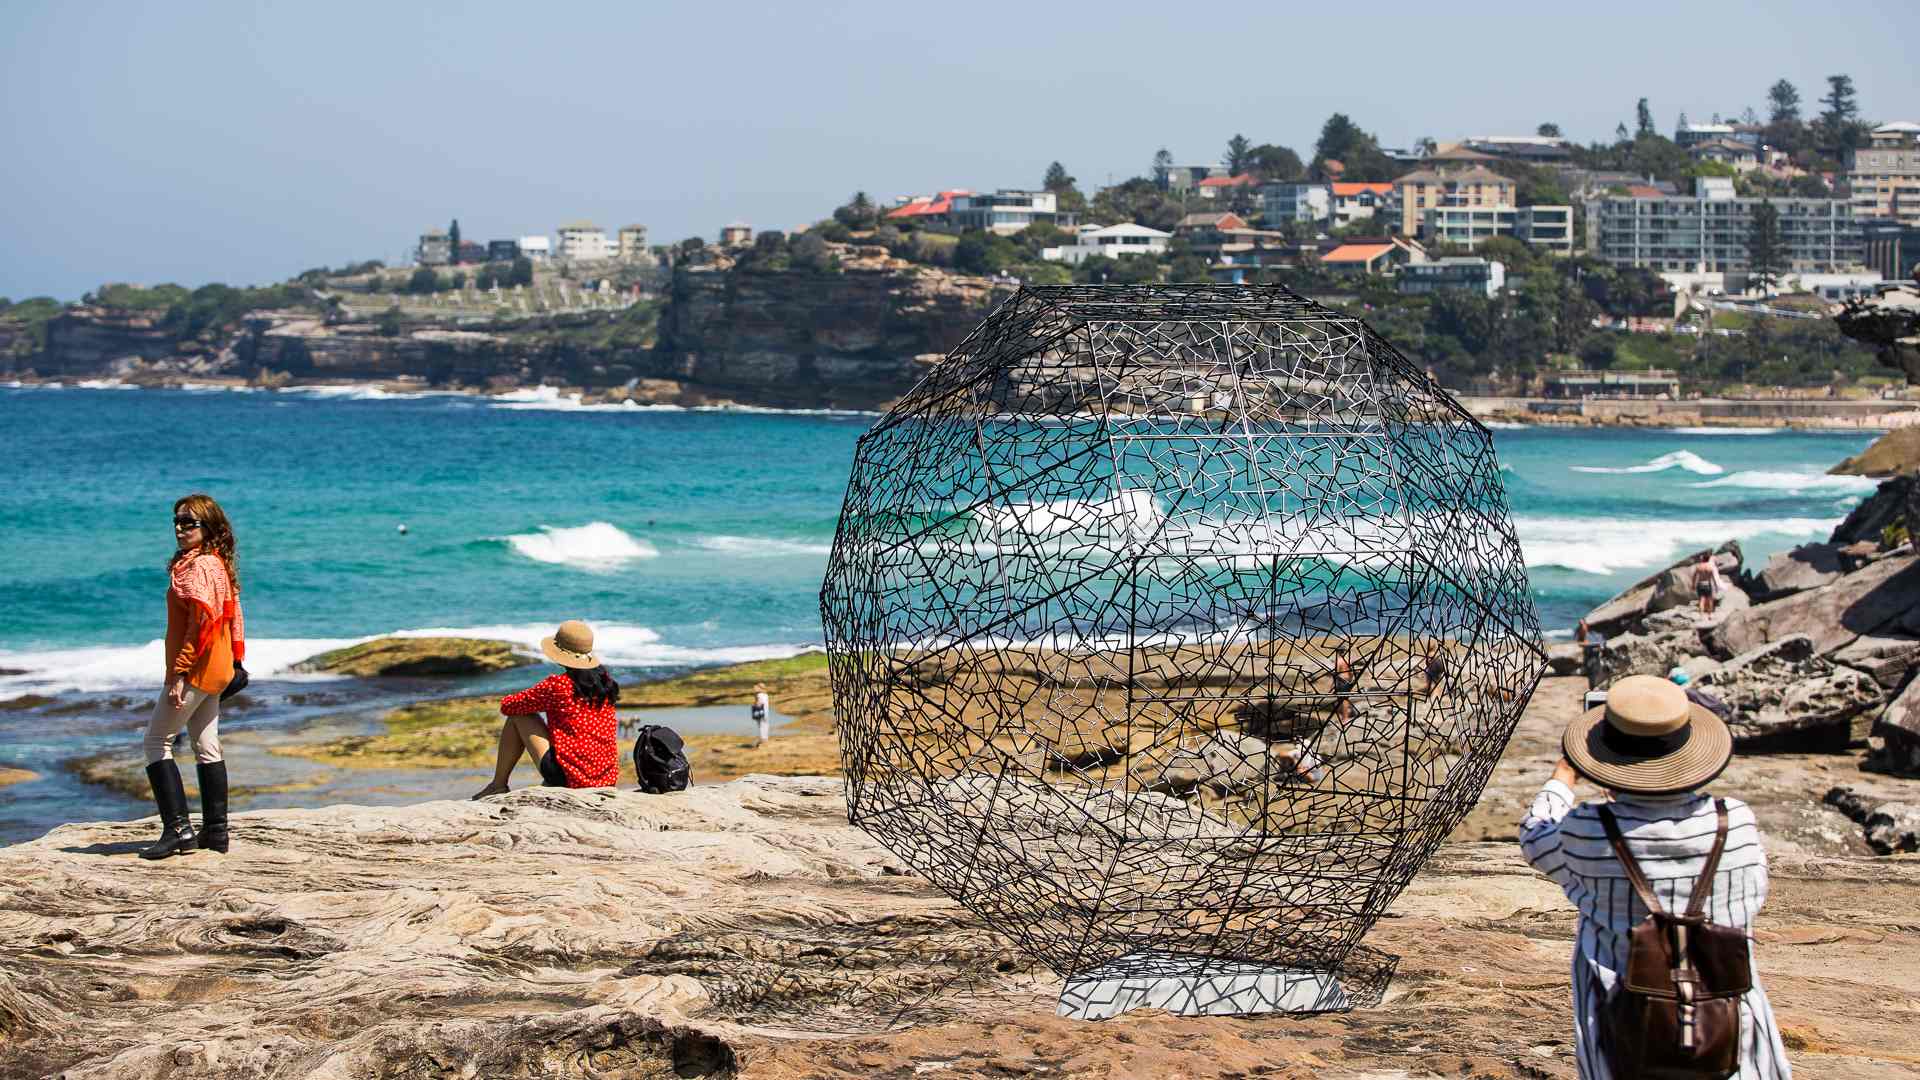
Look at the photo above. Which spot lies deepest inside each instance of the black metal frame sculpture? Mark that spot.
(1171, 629)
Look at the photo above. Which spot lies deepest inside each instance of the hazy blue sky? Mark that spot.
(244, 142)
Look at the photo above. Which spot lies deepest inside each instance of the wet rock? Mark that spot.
(1895, 736)
(1888, 658)
(24, 702)
(1563, 658)
(1891, 827)
(1883, 597)
(1623, 613)
(1808, 566)
(393, 657)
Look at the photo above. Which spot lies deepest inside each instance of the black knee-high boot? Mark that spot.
(213, 806)
(176, 837)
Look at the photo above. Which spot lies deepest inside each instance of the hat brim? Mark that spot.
(1692, 764)
(565, 658)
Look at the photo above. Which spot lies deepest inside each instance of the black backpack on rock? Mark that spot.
(660, 760)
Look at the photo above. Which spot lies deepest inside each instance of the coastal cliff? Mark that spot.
(853, 338)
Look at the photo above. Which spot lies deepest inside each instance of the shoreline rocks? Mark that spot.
(416, 657)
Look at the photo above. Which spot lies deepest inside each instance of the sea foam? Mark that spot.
(1679, 459)
(1607, 546)
(598, 545)
(550, 399)
(1793, 482)
(760, 546)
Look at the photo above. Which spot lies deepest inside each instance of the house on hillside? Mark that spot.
(632, 246)
(927, 211)
(1456, 273)
(1112, 241)
(1005, 211)
(1423, 189)
(1221, 236)
(1306, 203)
(736, 234)
(435, 249)
(1373, 257)
(1176, 179)
(1732, 152)
(1531, 149)
(1362, 201)
(535, 248)
(1225, 187)
(582, 241)
(503, 250)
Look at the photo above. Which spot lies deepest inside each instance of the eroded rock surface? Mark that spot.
(392, 657)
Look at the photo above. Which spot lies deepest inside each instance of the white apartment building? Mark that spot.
(582, 241)
(436, 248)
(1549, 227)
(1296, 202)
(1005, 212)
(1884, 175)
(536, 248)
(1362, 201)
(1459, 273)
(1112, 241)
(1707, 233)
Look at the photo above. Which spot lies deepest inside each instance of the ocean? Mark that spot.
(686, 538)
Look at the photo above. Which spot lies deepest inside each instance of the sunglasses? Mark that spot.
(188, 523)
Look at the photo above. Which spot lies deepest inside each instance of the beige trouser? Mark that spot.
(200, 716)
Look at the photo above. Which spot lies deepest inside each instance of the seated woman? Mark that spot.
(574, 746)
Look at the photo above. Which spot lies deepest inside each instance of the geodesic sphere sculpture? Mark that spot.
(1172, 627)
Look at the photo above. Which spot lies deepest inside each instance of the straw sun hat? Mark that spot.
(571, 645)
(1648, 739)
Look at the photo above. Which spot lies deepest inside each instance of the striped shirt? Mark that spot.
(1670, 837)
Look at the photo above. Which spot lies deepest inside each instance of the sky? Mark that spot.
(244, 142)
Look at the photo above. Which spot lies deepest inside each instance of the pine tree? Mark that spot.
(1057, 179)
(1784, 101)
(1644, 119)
(453, 242)
(1764, 257)
(1548, 131)
(1162, 161)
(1840, 123)
(1237, 150)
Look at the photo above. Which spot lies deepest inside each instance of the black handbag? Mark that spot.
(237, 683)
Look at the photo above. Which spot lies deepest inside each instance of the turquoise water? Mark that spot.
(687, 538)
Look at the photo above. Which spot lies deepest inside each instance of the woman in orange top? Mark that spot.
(205, 635)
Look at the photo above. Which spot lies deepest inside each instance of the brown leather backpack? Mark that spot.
(1675, 1014)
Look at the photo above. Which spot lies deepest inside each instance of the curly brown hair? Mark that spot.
(216, 530)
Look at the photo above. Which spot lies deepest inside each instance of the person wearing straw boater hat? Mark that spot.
(1654, 751)
(566, 724)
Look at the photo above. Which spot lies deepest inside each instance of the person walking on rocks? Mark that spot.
(1706, 583)
(205, 639)
(566, 724)
(760, 705)
(1593, 661)
(1654, 752)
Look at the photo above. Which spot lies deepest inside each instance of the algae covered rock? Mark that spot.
(391, 657)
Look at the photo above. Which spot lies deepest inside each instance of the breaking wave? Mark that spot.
(597, 545)
(1679, 459)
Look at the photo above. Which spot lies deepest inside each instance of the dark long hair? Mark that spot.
(594, 686)
(216, 533)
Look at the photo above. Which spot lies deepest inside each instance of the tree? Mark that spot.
(1339, 136)
(1620, 133)
(1763, 246)
(1548, 131)
(522, 272)
(1162, 163)
(1238, 151)
(809, 252)
(858, 212)
(388, 324)
(1065, 192)
(1644, 119)
(459, 279)
(1057, 179)
(423, 282)
(1426, 145)
(453, 242)
(1275, 163)
(1783, 101)
(1680, 125)
(1840, 122)
(487, 278)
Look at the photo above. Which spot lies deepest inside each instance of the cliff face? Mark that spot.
(792, 339)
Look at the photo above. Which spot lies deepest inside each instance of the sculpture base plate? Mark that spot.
(1196, 986)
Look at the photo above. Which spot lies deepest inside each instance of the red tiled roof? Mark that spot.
(928, 205)
(1243, 180)
(1358, 187)
(1359, 253)
(1642, 191)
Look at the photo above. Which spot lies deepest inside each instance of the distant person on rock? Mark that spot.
(760, 706)
(1662, 839)
(1593, 661)
(566, 723)
(206, 639)
(1343, 679)
(1706, 582)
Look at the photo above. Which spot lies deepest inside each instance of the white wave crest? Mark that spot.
(1129, 512)
(760, 546)
(105, 384)
(1726, 430)
(366, 393)
(1679, 459)
(549, 398)
(598, 545)
(1793, 482)
(1606, 546)
(1505, 425)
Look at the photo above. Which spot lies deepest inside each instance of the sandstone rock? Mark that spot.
(1649, 654)
(1232, 764)
(393, 657)
(1886, 506)
(1880, 597)
(1783, 693)
(1891, 827)
(1897, 735)
(1563, 658)
(1808, 566)
(1622, 614)
(1888, 658)
(1892, 454)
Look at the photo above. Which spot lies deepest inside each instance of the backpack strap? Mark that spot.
(1634, 875)
(1697, 902)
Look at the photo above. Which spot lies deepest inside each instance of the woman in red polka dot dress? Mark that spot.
(574, 746)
